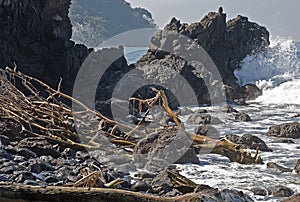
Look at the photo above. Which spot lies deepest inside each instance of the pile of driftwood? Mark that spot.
(38, 109)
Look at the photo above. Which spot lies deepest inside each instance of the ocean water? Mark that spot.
(277, 73)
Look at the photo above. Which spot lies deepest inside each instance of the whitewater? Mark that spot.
(276, 71)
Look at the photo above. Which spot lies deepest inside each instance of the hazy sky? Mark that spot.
(281, 17)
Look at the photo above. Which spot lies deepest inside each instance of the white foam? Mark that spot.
(276, 72)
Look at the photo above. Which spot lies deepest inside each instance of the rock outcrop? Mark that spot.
(285, 130)
(227, 44)
(249, 141)
(36, 36)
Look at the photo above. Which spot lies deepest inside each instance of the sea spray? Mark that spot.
(276, 71)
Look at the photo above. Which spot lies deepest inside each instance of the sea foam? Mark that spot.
(276, 71)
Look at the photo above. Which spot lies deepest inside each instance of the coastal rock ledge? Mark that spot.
(227, 44)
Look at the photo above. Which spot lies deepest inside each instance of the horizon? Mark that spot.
(282, 23)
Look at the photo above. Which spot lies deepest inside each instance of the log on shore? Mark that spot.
(25, 193)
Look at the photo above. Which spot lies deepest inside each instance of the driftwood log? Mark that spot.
(17, 193)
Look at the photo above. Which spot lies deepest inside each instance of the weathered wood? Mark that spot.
(16, 193)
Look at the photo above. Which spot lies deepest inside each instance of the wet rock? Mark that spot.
(295, 198)
(207, 130)
(165, 147)
(297, 167)
(227, 109)
(286, 140)
(249, 141)
(242, 117)
(202, 119)
(184, 111)
(285, 130)
(277, 167)
(234, 195)
(251, 91)
(281, 191)
(201, 111)
(261, 191)
(141, 186)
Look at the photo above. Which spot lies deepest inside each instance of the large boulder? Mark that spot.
(249, 141)
(165, 147)
(285, 130)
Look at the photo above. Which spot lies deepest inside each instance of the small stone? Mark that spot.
(4, 154)
(242, 117)
(281, 191)
(278, 167)
(260, 191)
(227, 109)
(27, 153)
(35, 168)
(207, 130)
(51, 179)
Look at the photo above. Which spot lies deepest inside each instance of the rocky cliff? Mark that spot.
(227, 44)
(96, 20)
(36, 37)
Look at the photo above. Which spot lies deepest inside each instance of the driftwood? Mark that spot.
(48, 117)
(13, 193)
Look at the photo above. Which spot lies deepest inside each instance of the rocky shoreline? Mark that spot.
(45, 159)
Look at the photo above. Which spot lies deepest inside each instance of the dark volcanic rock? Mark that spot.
(249, 141)
(227, 109)
(242, 117)
(276, 191)
(202, 119)
(261, 191)
(227, 44)
(281, 191)
(39, 146)
(207, 130)
(278, 167)
(285, 130)
(165, 147)
(297, 167)
(36, 36)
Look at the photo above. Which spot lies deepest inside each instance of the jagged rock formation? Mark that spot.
(227, 44)
(36, 37)
(96, 20)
